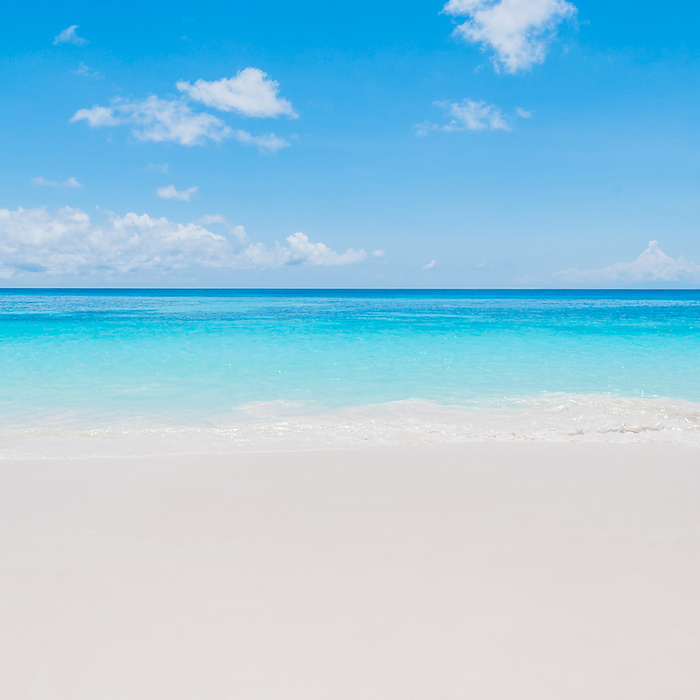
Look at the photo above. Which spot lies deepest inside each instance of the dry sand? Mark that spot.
(516, 571)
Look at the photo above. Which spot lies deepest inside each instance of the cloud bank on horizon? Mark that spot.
(652, 265)
(69, 242)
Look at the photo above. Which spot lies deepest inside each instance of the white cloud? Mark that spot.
(517, 31)
(97, 116)
(653, 265)
(154, 119)
(430, 265)
(69, 36)
(87, 72)
(69, 242)
(170, 192)
(162, 168)
(232, 229)
(300, 250)
(467, 115)
(269, 143)
(250, 93)
(303, 250)
(474, 116)
(523, 113)
(71, 182)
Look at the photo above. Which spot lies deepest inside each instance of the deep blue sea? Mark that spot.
(255, 369)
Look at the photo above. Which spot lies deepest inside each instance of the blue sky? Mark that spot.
(482, 143)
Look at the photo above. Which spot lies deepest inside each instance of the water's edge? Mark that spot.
(282, 426)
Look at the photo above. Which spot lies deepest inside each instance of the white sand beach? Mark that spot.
(488, 571)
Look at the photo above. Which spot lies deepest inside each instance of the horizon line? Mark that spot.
(350, 289)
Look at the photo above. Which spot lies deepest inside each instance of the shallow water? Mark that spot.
(250, 369)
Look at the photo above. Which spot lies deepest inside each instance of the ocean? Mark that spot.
(157, 371)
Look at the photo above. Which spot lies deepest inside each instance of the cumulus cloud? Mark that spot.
(430, 265)
(250, 93)
(70, 36)
(302, 250)
(653, 265)
(70, 183)
(517, 31)
(171, 192)
(70, 242)
(154, 119)
(468, 115)
(267, 143)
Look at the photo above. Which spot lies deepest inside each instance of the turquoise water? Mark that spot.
(89, 360)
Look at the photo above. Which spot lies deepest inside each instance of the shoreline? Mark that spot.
(289, 426)
(494, 570)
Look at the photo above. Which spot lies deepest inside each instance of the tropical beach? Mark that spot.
(364, 534)
(349, 351)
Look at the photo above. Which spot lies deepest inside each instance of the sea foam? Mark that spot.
(280, 425)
